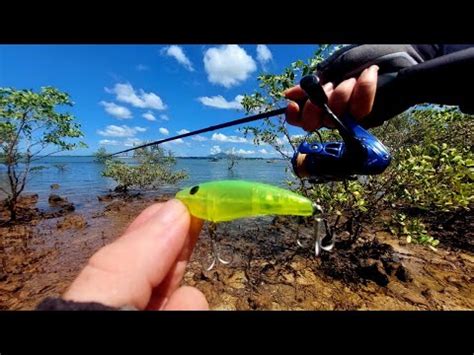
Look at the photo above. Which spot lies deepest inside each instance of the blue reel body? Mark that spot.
(361, 153)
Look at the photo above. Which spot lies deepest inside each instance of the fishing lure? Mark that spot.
(227, 200)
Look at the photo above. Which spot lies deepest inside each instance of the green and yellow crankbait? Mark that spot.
(226, 200)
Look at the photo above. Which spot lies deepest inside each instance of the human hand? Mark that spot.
(351, 76)
(355, 96)
(144, 267)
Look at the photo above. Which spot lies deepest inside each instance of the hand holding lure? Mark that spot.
(227, 200)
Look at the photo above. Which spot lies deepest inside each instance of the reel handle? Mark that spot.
(313, 88)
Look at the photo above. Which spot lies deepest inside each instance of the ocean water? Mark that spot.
(81, 181)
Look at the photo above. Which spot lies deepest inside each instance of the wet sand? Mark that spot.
(40, 258)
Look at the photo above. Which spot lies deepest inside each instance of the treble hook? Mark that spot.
(320, 241)
(215, 251)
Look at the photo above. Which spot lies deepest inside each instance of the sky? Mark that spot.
(128, 94)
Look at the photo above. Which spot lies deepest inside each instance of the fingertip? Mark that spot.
(295, 93)
(293, 113)
(340, 97)
(363, 96)
(187, 298)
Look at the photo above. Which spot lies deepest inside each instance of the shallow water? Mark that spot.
(81, 181)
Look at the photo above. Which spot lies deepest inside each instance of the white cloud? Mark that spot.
(149, 116)
(240, 151)
(183, 131)
(117, 111)
(177, 53)
(232, 139)
(141, 67)
(164, 131)
(220, 102)
(164, 117)
(263, 54)
(263, 151)
(176, 141)
(131, 142)
(126, 93)
(281, 141)
(199, 138)
(228, 65)
(108, 142)
(120, 131)
(216, 149)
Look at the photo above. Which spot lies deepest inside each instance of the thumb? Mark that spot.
(125, 272)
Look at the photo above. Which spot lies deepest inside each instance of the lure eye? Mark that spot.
(194, 189)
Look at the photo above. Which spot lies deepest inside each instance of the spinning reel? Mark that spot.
(360, 153)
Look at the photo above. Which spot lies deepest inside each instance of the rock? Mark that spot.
(307, 278)
(54, 186)
(56, 200)
(237, 280)
(62, 203)
(373, 270)
(115, 206)
(27, 200)
(105, 198)
(72, 222)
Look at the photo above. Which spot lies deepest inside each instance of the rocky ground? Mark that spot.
(44, 252)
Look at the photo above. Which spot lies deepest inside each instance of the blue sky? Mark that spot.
(127, 94)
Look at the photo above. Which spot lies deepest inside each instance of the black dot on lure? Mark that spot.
(194, 189)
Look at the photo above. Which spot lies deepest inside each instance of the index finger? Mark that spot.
(125, 272)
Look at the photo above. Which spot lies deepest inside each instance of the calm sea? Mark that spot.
(80, 178)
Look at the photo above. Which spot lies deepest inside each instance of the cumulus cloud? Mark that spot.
(149, 116)
(142, 67)
(263, 151)
(183, 131)
(164, 117)
(177, 53)
(199, 138)
(120, 131)
(215, 149)
(220, 102)
(176, 141)
(228, 65)
(117, 111)
(240, 151)
(164, 131)
(126, 93)
(231, 139)
(132, 142)
(108, 142)
(264, 55)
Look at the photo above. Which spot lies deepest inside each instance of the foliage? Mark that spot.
(413, 230)
(31, 122)
(101, 155)
(432, 159)
(153, 168)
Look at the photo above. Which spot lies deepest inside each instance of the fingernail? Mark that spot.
(171, 211)
(328, 86)
(374, 68)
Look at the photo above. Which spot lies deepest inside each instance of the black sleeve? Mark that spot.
(58, 304)
(447, 79)
(409, 75)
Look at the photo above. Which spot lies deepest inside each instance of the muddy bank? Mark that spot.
(268, 270)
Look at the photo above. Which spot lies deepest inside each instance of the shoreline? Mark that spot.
(268, 270)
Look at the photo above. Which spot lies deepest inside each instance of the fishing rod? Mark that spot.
(239, 121)
(360, 152)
